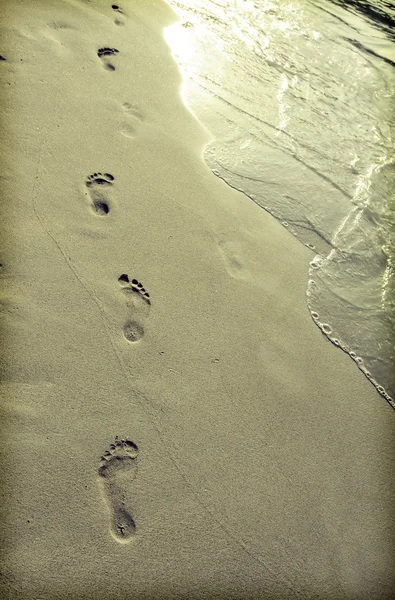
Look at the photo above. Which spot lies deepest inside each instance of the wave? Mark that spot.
(299, 99)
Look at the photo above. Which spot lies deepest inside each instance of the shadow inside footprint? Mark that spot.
(117, 470)
(99, 200)
(133, 331)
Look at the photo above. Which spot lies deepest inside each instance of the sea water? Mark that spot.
(299, 96)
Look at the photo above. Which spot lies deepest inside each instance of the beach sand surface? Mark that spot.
(145, 300)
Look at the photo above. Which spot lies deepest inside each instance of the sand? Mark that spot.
(144, 300)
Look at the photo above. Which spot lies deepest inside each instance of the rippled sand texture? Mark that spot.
(174, 425)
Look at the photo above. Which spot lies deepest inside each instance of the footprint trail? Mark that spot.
(96, 185)
(137, 304)
(117, 470)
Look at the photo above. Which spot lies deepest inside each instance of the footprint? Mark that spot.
(103, 54)
(118, 9)
(134, 118)
(117, 470)
(232, 255)
(100, 203)
(138, 305)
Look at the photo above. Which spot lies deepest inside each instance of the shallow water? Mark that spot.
(299, 97)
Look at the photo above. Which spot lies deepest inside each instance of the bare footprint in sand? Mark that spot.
(98, 185)
(117, 470)
(232, 254)
(134, 118)
(119, 11)
(138, 305)
(103, 54)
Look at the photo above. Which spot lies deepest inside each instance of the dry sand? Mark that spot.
(260, 460)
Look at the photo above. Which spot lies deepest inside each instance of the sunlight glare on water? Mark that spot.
(299, 97)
